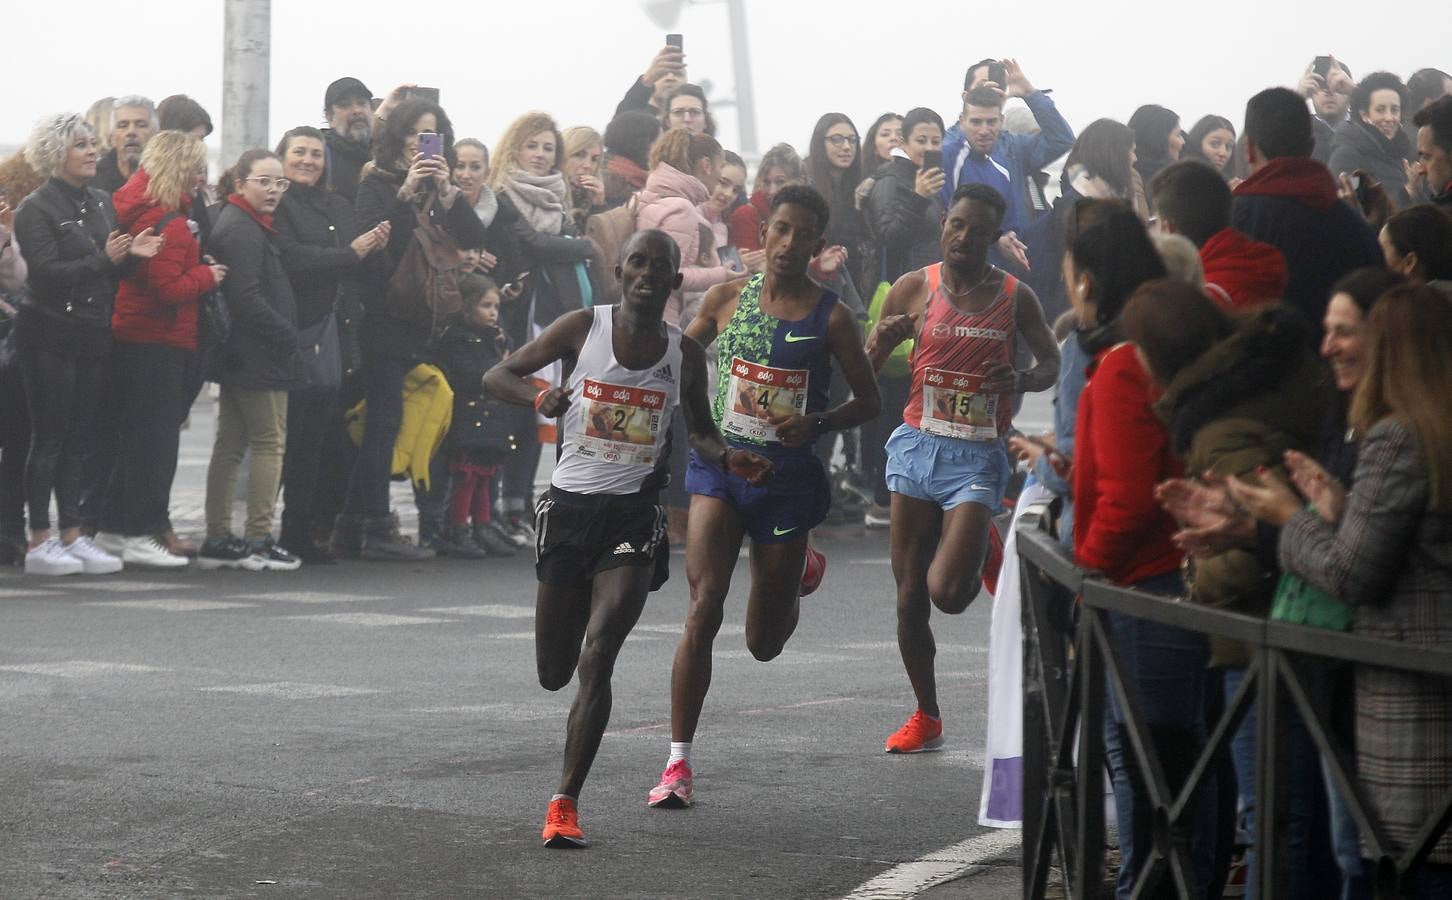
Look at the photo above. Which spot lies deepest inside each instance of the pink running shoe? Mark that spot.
(674, 790)
(812, 572)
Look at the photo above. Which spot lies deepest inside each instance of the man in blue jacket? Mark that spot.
(976, 149)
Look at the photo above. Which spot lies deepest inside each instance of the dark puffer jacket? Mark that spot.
(314, 230)
(72, 282)
(1241, 405)
(262, 352)
(481, 425)
(904, 223)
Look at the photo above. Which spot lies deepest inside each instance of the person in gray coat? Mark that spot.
(1386, 549)
(259, 364)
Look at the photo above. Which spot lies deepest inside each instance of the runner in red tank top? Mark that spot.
(946, 464)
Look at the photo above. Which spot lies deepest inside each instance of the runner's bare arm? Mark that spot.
(707, 323)
(900, 314)
(701, 429)
(844, 336)
(509, 380)
(1033, 330)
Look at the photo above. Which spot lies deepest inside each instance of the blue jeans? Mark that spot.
(383, 390)
(1165, 668)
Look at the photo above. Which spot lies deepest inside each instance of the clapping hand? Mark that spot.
(118, 244)
(1271, 500)
(1317, 485)
(1210, 521)
(1013, 248)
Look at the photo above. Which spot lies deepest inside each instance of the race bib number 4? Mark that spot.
(953, 406)
(756, 394)
(621, 424)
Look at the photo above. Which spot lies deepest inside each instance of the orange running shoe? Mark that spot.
(562, 825)
(921, 733)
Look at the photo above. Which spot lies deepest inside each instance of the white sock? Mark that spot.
(679, 750)
(561, 797)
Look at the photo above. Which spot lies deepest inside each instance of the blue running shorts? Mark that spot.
(947, 471)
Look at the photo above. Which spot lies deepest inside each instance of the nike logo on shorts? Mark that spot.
(792, 338)
(779, 531)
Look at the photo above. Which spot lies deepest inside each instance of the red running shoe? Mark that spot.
(993, 560)
(920, 733)
(562, 825)
(812, 572)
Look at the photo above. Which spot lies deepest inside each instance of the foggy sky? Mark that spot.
(575, 58)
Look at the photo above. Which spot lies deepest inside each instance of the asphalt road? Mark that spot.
(377, 730)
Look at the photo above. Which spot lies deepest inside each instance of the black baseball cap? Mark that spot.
(344, 88)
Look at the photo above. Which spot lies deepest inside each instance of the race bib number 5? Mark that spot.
(621, 424)
(756, 394)
(954, 406)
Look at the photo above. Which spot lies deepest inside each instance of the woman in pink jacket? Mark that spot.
(684, 167)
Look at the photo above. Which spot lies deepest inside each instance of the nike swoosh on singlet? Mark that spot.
(792, 338)
(779, 531)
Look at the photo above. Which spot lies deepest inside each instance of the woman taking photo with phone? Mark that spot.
(408, 180)
(1373, 141)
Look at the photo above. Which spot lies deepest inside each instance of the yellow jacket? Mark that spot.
(428, 410)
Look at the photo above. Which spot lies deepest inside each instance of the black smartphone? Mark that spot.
(677, 41)
(1322, 66)
(998, 74)
(932, 159)
(730, 256)
(1362, 183)
(430, 94)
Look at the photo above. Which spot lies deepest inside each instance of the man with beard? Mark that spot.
(348, 107)
(133, 122)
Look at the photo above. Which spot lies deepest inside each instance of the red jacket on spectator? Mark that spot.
(1242, 273)
(1121, 451)
(157, 302)
(743, 229)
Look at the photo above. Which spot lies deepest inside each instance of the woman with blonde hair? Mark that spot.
(584, 150)
(155, 330)
(534, 199)
(74, 255)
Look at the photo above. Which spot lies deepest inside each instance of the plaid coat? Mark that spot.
(1391, 558)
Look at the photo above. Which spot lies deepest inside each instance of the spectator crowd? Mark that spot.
(1251, 400)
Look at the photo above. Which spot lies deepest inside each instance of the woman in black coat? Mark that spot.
(260, 363)
(75, 257)
(397, 187)
(322, 252)
(1373, 140)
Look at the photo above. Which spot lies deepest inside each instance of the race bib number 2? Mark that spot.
(756, 394)
(954, 406)
(621, 424)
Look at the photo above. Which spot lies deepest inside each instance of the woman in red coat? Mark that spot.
(155, 330)
(1121, 451)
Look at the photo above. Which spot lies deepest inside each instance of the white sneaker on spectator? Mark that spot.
(50, 558)
(94, 560)
(150, 551)
(111, 542)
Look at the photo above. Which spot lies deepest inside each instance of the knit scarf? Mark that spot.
(487, 207)
(633, 174)
(542, 199)
(241, 203)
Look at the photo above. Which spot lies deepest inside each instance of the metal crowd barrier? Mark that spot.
(1069, 657)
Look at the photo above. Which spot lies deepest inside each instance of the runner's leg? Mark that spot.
(956, 575)
(774, 605)
(560, 616)
(618, 597)
(914, 539)
(712, 549)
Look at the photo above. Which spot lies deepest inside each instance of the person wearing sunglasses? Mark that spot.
(259, 364)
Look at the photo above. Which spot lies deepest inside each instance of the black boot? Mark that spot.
(458, 543)
(494, 542)
(347, 541)
(383, 543)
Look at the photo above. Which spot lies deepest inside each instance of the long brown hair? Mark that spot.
(681, 149)
(1409, 341)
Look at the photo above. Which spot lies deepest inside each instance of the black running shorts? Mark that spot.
(578, 536)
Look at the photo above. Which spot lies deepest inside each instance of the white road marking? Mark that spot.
(871, 561)
(128, 587)
(727, 630)
(512, 636)
(910, 879)
(170, 604)
(494, 610)
(24, 594)
(290, 690)
(367, 620)
(79, 668)
(313, 597)
(519, 712)
(892, 645)
(790, 658)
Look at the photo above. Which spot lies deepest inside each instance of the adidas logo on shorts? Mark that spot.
(624, 548)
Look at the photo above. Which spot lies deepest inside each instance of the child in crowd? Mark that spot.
(482, 436)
